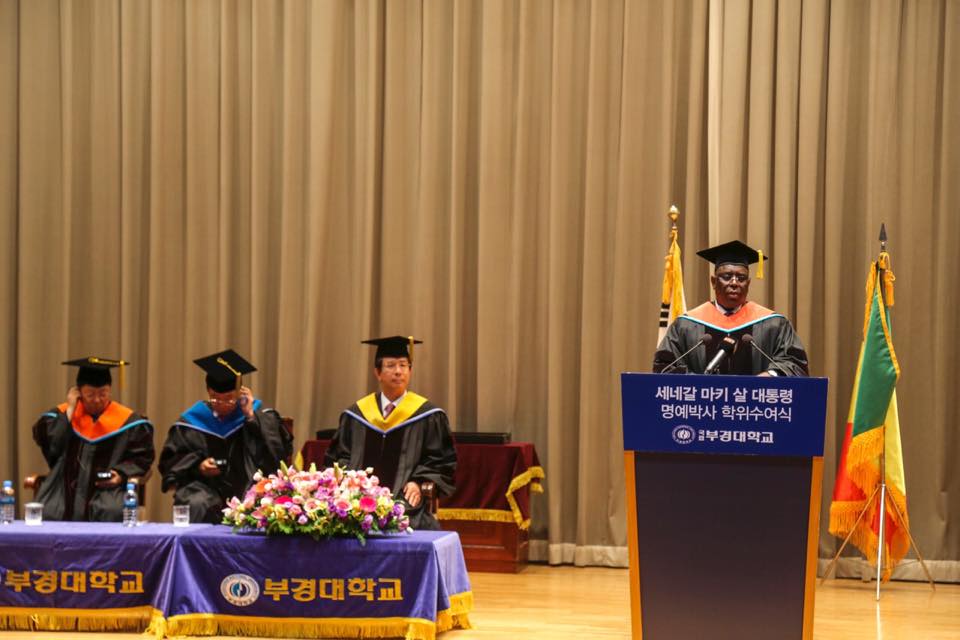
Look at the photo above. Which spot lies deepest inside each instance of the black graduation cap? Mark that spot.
(394, 346)
(734, 252)
(224, 370)
(95, 371)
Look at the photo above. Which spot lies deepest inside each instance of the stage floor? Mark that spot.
(570, 603)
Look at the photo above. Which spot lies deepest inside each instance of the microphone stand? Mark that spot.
(705, 340)
(727, 346)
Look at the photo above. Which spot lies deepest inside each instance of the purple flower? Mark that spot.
(367, 522)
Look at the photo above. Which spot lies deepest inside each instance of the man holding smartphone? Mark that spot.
(92, 445)
(213, 450)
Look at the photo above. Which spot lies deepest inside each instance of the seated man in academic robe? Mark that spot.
(403, 436)
(756, 340)
(213, 450)
(92, 445)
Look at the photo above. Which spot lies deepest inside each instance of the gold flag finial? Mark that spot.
(673, 214)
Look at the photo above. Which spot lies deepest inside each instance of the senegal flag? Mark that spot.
(672, 301)
(873, 429)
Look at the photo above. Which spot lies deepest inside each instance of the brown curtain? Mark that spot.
(291, 177)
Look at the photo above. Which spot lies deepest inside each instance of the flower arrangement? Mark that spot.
(332, 502)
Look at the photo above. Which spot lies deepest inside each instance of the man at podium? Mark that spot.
(731, 335)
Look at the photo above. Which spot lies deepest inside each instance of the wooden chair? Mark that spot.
(428, 491)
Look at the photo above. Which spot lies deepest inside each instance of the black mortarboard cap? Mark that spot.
(95, 371)
(224, 370)
(733, 252)
(394, 346)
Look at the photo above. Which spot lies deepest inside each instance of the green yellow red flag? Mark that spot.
(872, 430)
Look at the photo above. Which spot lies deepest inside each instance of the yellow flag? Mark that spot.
(672, 301)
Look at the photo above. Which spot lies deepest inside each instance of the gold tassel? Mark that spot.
(232, 370)
(760, 268)
(410, 349)
(888, 278)
(871, 281)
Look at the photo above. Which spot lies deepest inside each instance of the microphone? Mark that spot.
(726, 348)
(749, 340)
(706, 340)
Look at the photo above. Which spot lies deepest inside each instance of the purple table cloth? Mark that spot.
(204, 580)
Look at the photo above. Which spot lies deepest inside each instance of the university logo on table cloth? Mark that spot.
(873, 429)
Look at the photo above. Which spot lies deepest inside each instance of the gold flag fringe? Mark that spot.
(843, 515)
(864, 451)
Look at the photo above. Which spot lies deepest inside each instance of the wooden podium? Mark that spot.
(723, 480)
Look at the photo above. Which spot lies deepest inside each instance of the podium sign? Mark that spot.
(723, 481)
(723, 414)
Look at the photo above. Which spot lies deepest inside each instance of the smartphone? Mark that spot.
(104, 475)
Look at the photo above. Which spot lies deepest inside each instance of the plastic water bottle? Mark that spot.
(8, 503)
(130, 506)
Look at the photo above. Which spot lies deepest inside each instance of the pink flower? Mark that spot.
(368, 504)
(283, 500)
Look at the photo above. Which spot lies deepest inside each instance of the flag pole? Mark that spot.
(881, 488)
(883, 469)
(883, 429)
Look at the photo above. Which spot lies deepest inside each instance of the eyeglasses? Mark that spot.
(397, 364)
(730, 277)
(223, 402)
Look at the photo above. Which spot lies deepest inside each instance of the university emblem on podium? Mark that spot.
(239, 589)
(684, 434)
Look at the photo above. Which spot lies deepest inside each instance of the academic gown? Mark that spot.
(118, 440)
(414, 443)
(259, 443)
(772, 332)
